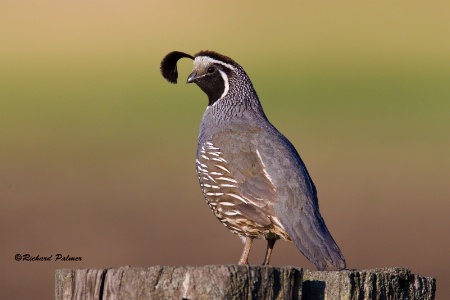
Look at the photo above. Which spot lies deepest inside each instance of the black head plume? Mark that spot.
(169, 65)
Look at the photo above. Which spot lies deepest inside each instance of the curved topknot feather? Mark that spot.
(169, 65)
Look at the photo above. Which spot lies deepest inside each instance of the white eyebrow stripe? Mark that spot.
(206, 59)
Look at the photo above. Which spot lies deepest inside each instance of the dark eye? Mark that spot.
(210, 70)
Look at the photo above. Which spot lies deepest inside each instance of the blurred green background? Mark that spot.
(97, 150)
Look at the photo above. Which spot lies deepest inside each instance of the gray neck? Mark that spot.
(231, 108)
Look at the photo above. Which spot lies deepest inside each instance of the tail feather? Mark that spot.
(311, 236)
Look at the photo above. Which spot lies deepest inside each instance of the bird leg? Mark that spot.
(246, 252)
(270, 244)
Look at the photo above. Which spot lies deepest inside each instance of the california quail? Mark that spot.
(252, 177)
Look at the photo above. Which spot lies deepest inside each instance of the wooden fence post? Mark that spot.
(240, 282)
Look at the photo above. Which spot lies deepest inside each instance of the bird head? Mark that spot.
(214, 73)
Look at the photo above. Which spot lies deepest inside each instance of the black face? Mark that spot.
(211, 73)
(211, 82)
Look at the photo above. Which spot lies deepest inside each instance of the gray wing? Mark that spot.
(269, 171)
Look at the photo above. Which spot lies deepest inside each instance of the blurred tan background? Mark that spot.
(97, 151)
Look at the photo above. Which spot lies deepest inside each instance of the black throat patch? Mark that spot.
(214, 86)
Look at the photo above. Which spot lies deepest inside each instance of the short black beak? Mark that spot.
(192, 77)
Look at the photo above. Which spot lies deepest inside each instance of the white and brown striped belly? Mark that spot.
(222, 193)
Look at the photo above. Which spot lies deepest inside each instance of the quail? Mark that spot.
(251, 176)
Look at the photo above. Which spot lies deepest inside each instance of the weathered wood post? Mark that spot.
(240, 282)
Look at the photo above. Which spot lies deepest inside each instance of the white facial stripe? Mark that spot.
(225, 81)
(199, 60)
(206, 60)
